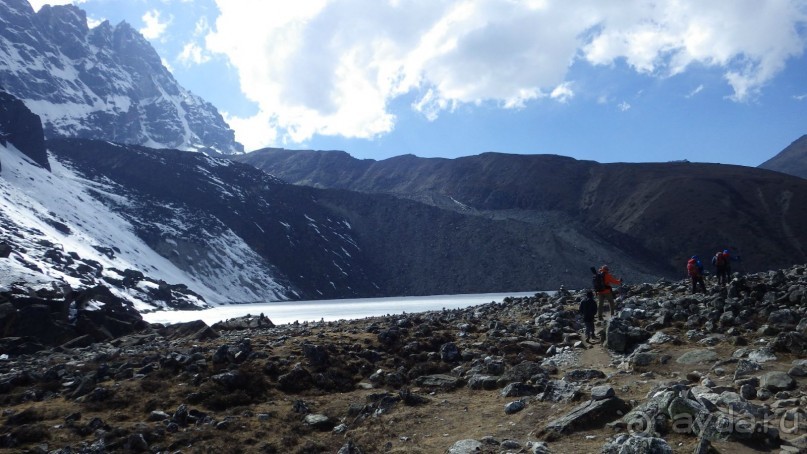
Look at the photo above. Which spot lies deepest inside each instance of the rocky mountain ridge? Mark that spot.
(104, 83)
(657, 214)
(228, 232)
(792, 160)
(172, 229)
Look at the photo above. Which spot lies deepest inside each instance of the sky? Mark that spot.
(605, 80)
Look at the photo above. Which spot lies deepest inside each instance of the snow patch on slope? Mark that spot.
(57, 207)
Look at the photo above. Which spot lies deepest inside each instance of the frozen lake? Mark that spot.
(329, 310)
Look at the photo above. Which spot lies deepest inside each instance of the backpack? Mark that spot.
(720, 259)
(598, 282)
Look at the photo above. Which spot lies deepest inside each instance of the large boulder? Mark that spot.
(440, 381)
(621, 336)
(39, 321)
(196, 329)
(790, 341)
(22, 128)
(637, 444)
(587, 415)
(777, 381)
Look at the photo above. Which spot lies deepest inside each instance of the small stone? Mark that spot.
(514, 407)
(319, 422)
(602, 392)
(748, 391)
(137, 443)
(797, 371)
(694, 376)
(465, 447)
(158, 415)
(697, 356)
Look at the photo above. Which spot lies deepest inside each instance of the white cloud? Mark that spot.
(334, 67)
(202, 27)
(562, 93)
(430, 105)
(193, 54)
(92, 22)
(800, 97)
(153, 28)
(623, 106)
(254, 132)
(749, 40)
(167, 64)
(694, 92)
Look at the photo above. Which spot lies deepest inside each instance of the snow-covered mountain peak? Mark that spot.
(104, 83)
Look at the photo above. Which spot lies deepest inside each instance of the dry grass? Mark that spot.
(262, 419)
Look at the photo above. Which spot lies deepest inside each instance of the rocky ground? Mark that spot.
(715, 372)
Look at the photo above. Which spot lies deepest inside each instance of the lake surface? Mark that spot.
(281, 313)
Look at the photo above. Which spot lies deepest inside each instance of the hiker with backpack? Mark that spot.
(601, 283)
(722, 262)
(695, 272)
(588, 309)
(730, 258)
(722, 267)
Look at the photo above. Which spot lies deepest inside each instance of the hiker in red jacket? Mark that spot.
(695, 272)
(605, 292)
(721, 263)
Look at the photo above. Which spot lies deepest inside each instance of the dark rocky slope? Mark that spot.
(414, 248)
(792, 160)
(22, 128)
(675, 373)
(197, 211)
(658, 214)
(327, 243)
(251, 237)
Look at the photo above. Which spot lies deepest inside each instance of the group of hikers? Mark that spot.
(603, 281)
(602, 284)
(722, 263)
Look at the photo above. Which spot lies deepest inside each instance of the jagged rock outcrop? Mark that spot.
(63, 317)
(104, 83)
(22, 128)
